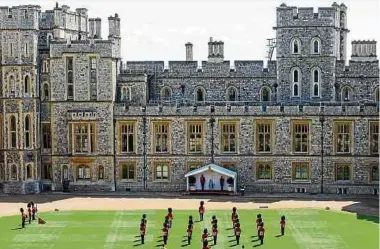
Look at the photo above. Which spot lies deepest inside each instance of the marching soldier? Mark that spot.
(171, 217)
(201, 210)
(189, 234)
(282, 223)
(215, 233)
(237, 233)
(142, 232)
(23, 217)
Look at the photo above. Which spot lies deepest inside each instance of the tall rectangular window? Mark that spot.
(195, 137)
(161, 137)
(128, 171)
(127, 133)
(70, 77)
(13, 132)
(84, 138)
(343, 137)
(264, 171)
(93, 77)
(374, 137)
(228, 137)
(47, 171)
(342, 172)
(264, 130)
(301, 136)
(301, 171)
(46, 136)
(162, 171)
(26, 50)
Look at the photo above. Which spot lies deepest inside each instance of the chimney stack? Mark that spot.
(98, 28)
(189, 51)
(215, 51)
(92, 30)
(363, 50)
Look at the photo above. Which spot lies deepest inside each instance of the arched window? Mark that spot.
(101, 173)
(346, 93)
(65, 172)
(315, 82)
(13, 172)
(12, 84)
(296, 79)
(199, 94)
(27, 84)
(27, 131)
(166, 93)
(13, 131)
(231, 94)
(377, 97)
(46, 91)
(265, 94)
(29, 171)
(296, 46)
(316, 46)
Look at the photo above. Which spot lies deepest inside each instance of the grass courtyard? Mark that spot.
(306, 229)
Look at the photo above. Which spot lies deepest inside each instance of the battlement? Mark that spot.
(105, 48)
(356, 68)
(207, 69)
(363, 50)
(19, 17)
(325, 16)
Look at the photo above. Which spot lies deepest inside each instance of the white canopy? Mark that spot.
(208, 169)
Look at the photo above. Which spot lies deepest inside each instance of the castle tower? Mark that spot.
(19, 123)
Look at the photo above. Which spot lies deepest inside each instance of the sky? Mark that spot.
(158, 30)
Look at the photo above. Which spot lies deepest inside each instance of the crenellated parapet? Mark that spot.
(24, 17)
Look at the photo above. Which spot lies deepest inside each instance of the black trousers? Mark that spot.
(201, 215)
(237, 239)
(282, 230)
(188, 239)
(215, 238)
(23, 224)
(261, 238)
(30, 218)
(165, 239)
(221, 186)
(142, 238)
(203, 186)
(33, 216)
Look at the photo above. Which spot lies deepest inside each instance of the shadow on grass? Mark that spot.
(17, 228)
(374, 219)
(278, 236)
(137, 245)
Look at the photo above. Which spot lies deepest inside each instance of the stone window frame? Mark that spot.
(192, 165)
(235, 123)
(188, 134)
(373, 166)
(128, 165)
(46, 171)
(65, 172)
(296, 83)
(312, 46)
(344, 166)
(293, 131)
(12, 85)
(31, 171)
(26, 49)
(11, 48)
(121, 124)
(257, 132)
(12, 132)
(2, 172)
(296, 165)
(14, 174)
(27, 85)
(235, 91)
(46, 91)
(346, 94)
(87, 172)
(377, 94)
(162, 164)
(45, 66)
(154, 137)
(203, 90)
(350, 134)
(315, 82)
(265, 165)
(166, 95)
(91, 137)
(46, 136)
(28, 131)
(372, 140)
(292, 43)
(262, 93)
(70, 85)
(125, 93)
(101, 172)
(49, 37)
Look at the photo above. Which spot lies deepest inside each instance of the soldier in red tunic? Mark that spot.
(189, 232)
(165, 233)
(23, 217)
(191, 221)
(142, 232)
(215, 233)
(34, 211)
(30, 212)
(201, 210)
(205, 245)
(261, 233)
(258, 222)
(205, 235)
(237, 233)
(282, 224)
(234, 213)
(171, 217)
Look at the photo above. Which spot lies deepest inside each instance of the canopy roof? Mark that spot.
(214, 168)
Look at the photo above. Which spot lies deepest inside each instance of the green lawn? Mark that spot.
(306, 228)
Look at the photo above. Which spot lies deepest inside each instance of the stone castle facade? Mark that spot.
(70, 109)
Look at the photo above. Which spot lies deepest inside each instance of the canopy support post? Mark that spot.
(187, 183)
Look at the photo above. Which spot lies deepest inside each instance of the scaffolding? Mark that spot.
(271, 46)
